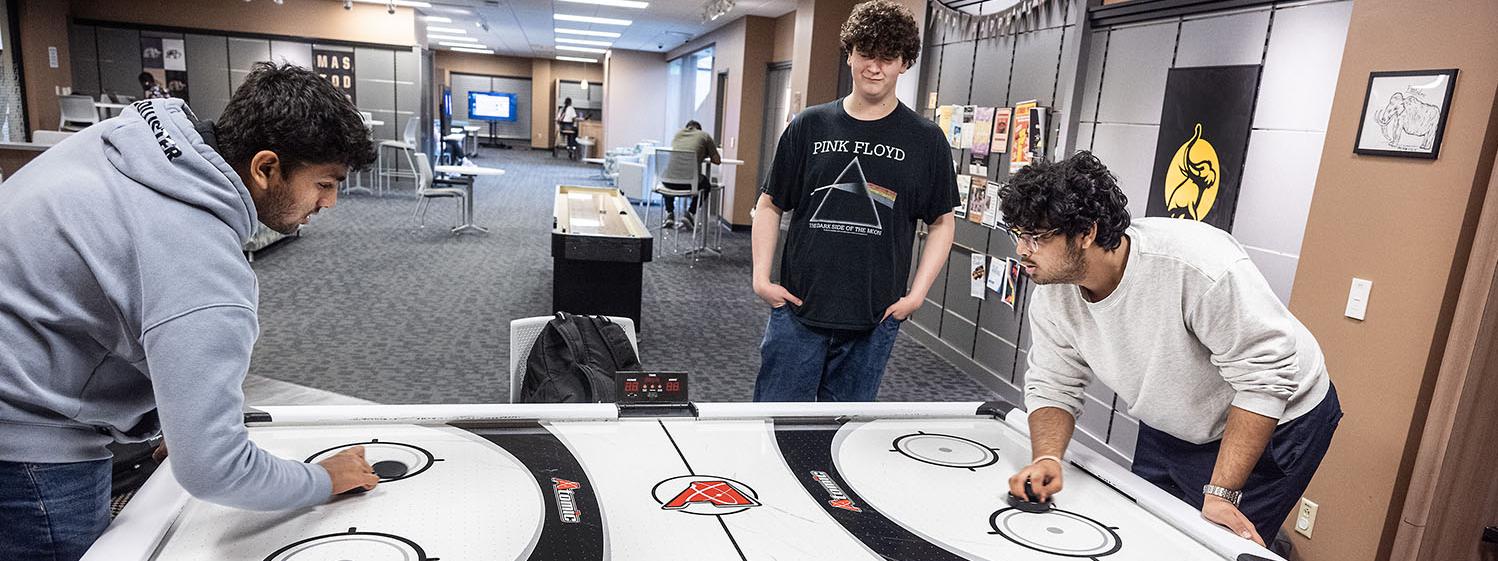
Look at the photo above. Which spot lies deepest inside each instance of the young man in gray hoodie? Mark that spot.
(127, 308)
(1234, 403)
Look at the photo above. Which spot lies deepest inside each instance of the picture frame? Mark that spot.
(1409, 113)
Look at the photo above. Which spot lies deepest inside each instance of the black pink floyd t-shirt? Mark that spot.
(856, 189)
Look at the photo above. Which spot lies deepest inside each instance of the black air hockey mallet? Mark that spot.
(1030, 502)
(388, 469)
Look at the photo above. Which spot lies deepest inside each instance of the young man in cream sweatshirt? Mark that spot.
(1234, 403)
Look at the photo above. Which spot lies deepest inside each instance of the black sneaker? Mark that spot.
(670, 221)
(688, 222)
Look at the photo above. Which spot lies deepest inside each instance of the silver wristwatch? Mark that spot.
(1223, 493)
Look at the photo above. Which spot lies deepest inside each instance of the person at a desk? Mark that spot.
(567, 124)
(150, 89)
(690, 139)
(128, 310)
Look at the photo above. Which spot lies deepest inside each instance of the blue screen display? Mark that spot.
(491, 106)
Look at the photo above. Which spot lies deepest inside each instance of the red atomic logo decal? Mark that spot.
(705, 495)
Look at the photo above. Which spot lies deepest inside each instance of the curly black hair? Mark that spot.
(882, 29)
(293, 112)
(1070, 195)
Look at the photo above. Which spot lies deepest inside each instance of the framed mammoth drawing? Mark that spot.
(1404, 113)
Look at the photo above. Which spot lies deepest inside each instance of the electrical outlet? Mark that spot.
(1305, 517)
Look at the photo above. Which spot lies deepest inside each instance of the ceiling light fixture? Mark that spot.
(576, 59)
(583, 42)
(464, 45)
(615, 3)
(453, 38)
(455, 30)
(473, 50)
(580, 49)
(588, 32)
(403, 3)
(714, 9)
(438, 19)
(591, 19)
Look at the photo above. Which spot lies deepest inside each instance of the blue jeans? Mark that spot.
(52, 512)
(1277, 481)
(803, 363)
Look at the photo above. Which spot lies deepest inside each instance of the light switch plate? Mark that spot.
(1357, 298)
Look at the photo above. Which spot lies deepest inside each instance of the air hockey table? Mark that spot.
(709, 481)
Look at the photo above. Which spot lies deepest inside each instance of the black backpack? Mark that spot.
(574, 361)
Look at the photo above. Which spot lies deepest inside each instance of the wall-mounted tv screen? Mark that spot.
(491, 106)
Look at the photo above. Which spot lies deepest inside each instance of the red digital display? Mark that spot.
(673, 385)
(631, 386)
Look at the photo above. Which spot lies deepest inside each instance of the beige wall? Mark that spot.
(543, 74)
(1407, 225)
(44, 24)
(785, 38)
(814, 65)
(634, 98)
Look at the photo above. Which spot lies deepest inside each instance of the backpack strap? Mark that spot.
(619, 348)
(566, 324)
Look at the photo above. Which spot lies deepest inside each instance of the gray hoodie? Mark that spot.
(127, 308)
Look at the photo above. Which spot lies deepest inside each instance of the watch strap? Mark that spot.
(1223, 493)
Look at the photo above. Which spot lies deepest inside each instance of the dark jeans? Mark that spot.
(803, 363)
(52, 512)
(1277, 482)
(669, 201)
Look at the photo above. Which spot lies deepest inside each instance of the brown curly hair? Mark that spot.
(882, 29)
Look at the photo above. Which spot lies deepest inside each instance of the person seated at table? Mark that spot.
(150, 89)
(692, 139)
(128, 310)
(1234, 403)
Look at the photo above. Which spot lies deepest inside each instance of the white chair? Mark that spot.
(523, 335)
(77, 112)
(405, 147)
(427, 188)
(677, 167)
(49, 138)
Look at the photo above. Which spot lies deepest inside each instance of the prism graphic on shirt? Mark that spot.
(848, 205)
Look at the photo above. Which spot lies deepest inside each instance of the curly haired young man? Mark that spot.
(127, 309)
(1235, 406)
(858, 172)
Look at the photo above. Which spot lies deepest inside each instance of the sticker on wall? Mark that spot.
(998, 266)
(982, 130)
(1011, 281)
(978, 272)
(1204, 130)
(978, 201)
(1000, 141)
(964, 184)
(1019, 149)
(991, 215)
(337, 67)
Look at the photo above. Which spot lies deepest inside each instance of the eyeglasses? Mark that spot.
(1032, 240)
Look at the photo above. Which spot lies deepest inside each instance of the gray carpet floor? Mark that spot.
(368, 304)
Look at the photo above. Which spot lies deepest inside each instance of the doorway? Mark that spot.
(721, 87)
(777, 113)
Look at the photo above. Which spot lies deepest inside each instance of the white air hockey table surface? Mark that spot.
(730, 481)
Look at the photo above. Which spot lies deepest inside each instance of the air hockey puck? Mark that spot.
(389, 469)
